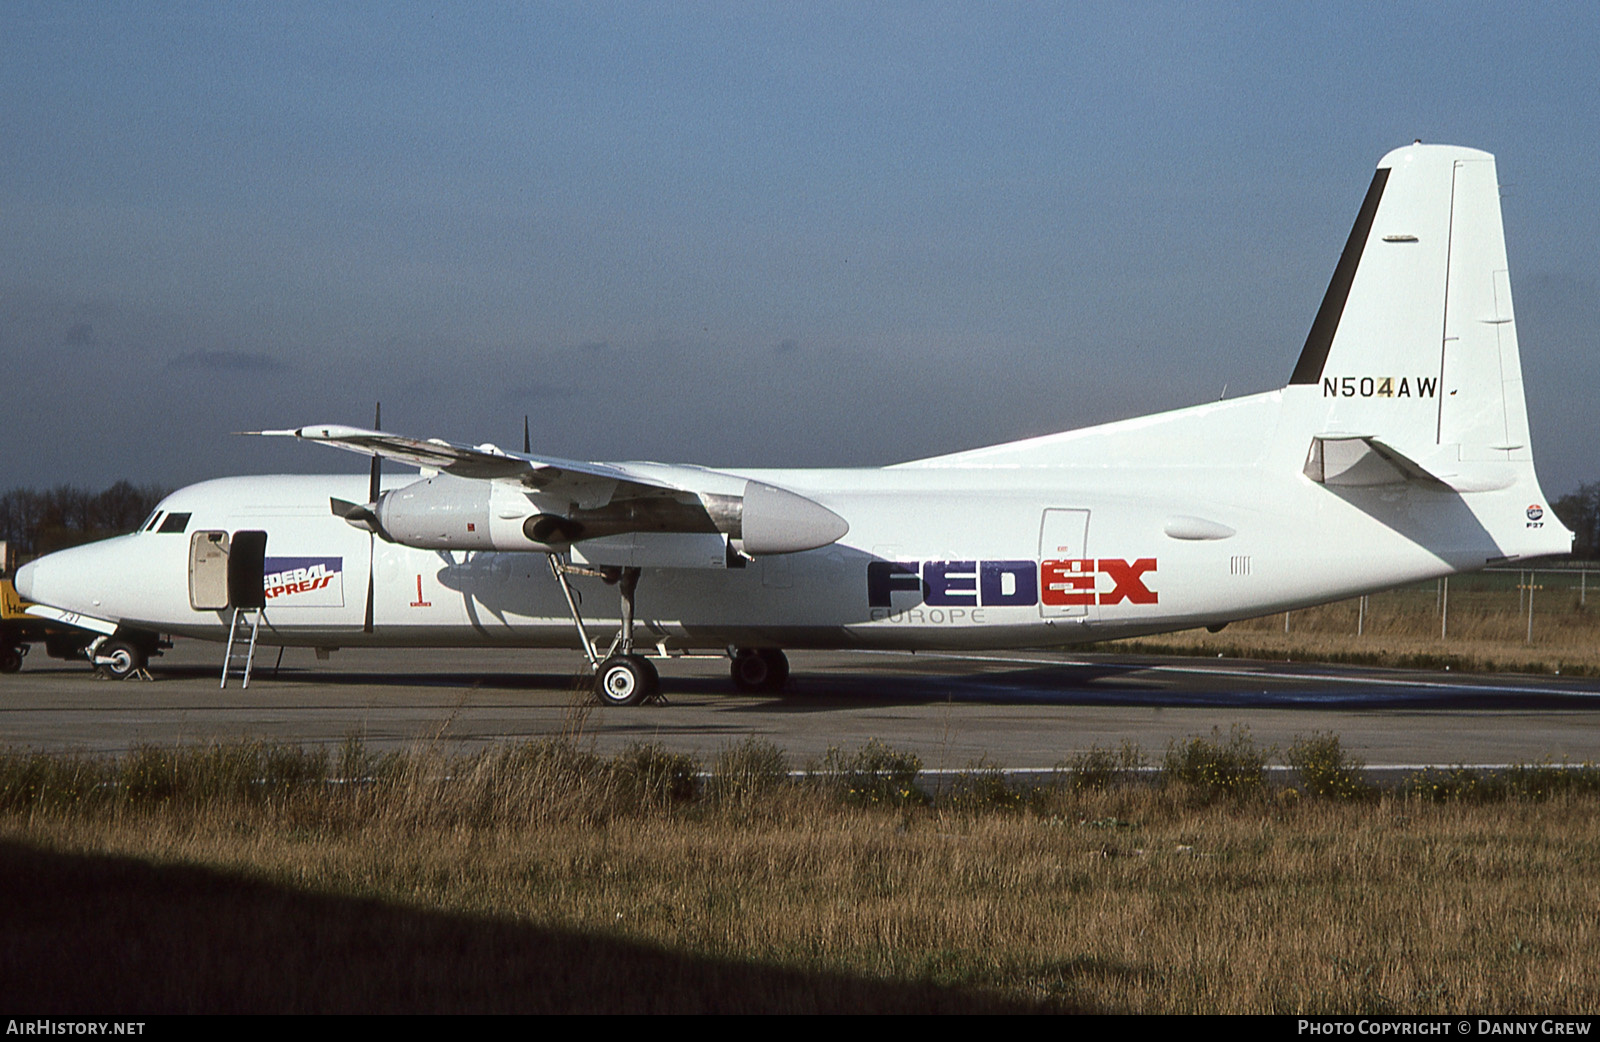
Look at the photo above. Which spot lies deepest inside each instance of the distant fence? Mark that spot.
(1531, 604)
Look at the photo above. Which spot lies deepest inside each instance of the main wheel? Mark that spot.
(758, 670)
(10, 659)
(626, 680)
(118, 658)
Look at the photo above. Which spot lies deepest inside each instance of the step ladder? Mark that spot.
(241, 656)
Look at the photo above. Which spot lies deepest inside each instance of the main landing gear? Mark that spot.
(623, 677)
(759, 670)
(627, 680)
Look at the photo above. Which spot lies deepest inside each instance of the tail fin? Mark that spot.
(1411, 372)
(1415, 344)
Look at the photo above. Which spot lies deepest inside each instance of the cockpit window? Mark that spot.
(150, 522)
(174, 523)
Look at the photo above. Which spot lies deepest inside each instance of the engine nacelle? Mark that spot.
(441, 513)
(776, 521)
(451, 513)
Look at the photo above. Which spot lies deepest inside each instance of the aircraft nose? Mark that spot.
(65, 579)
(115, 579)
(23, 580)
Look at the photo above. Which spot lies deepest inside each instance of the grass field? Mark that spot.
(543, 878)
(1476, 622)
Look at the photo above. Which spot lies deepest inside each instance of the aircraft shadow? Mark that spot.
(1072, 684)
(94, 934)
(1106, 684)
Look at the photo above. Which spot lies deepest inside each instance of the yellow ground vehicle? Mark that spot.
(19, 630)
(15, 628)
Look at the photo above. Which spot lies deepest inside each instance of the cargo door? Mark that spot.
(1066, 573)
(208, 571)
(247, 558)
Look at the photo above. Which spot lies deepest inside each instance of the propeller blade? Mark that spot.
(372, 482)
(367, 516)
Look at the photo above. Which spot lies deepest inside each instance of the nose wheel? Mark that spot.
(119, 659)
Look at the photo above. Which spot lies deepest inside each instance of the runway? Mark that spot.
(1028, 710)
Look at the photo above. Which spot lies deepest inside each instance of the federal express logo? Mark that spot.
(305, 582)
(1070, 582)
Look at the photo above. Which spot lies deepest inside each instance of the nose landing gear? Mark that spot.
(118, 659)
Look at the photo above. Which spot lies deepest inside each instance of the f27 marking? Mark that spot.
(991, 584)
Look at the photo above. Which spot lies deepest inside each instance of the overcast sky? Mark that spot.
(776, 235)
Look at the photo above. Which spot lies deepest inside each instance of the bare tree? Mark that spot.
(1580, 511)
(36, 522)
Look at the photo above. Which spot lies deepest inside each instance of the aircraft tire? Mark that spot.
(10, 659)
(626, 680)
(759, 670)
(118, 659)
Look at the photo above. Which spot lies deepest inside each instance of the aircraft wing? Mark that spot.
(576, 500)
(535, 473)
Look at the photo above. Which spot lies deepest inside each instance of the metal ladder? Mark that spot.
(244, 619)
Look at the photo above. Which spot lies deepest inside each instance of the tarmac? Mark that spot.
(1019, 710)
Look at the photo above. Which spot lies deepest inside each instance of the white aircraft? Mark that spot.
(1397, 452)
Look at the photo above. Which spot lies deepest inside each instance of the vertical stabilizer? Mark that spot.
(1415, 342)
(1411, 373)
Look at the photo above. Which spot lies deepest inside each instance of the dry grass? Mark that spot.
(1487, 628)
(540, 878)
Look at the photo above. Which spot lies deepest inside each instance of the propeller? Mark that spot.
(372, 501)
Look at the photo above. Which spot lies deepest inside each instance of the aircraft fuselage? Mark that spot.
(936, 557)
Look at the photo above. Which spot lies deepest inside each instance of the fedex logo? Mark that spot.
(989, 584)
(307, 581)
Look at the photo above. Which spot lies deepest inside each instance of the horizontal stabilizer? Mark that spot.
(1359, 461)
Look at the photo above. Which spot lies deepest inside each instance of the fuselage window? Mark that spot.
(174, 523)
